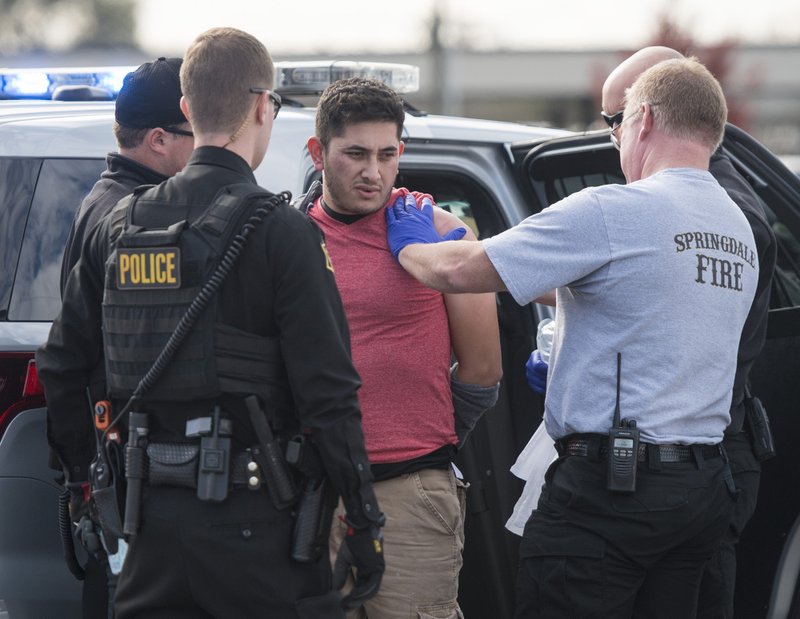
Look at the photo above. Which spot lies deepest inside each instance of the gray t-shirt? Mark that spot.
(662, 270)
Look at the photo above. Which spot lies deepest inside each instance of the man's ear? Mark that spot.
(261, 108)
(647, 120)
(156, 139)
(401, 148)
(185, 108)
(315, 150)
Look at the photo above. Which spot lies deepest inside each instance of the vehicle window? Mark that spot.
(17, 180)
(460, 195)
(62, 185)
(555, 173)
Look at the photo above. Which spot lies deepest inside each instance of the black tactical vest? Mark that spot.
(152, 276)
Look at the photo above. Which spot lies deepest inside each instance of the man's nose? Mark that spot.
(371, 168)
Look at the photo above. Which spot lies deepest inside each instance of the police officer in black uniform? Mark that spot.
(154, 141)
(273, 337)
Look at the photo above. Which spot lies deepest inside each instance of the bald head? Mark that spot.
(621, 78)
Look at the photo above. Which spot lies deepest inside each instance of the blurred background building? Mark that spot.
(557, 87)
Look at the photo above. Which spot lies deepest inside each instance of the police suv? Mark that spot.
(53, 144)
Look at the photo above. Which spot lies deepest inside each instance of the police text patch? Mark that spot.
(148, 267)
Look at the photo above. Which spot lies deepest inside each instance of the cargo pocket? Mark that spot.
(325, 606)
(440, 611)
(438, 492)
(557, 560)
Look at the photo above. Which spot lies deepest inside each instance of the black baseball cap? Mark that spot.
(151, 95)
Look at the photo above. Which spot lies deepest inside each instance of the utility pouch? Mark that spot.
(759, 429)
(173, 464)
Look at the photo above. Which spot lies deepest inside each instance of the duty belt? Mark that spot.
(597, 446)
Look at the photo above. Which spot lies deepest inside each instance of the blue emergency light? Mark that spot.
(42, 83)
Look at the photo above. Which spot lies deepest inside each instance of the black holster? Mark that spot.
(105, 475)
(757, 422)
(316, 506)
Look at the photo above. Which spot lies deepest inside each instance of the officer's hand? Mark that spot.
(78, 500)
(406, 225)
(363, 550)
(536, 372)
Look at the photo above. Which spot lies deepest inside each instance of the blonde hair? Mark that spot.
(219, 68)
(687, 101)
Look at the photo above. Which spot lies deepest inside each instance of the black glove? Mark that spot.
(78, 500)
(363, 550)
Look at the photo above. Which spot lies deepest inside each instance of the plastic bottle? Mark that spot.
(544, 338)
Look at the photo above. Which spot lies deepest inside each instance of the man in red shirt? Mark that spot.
(417, 406)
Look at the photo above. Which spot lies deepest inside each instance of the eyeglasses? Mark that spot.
(274, 97)
(177, 131)
(613, 135)
(614, 119)
(613, 132)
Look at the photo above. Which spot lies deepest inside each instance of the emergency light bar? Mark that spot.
(41, 83)
(312, 77)
(291, 78)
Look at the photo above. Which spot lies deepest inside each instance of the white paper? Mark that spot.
(531, 465)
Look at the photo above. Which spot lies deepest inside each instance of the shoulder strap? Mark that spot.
(226, 207)
(122, 212)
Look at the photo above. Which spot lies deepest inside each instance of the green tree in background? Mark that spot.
(36, 25)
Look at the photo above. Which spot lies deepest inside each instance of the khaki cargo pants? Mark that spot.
(423, 542)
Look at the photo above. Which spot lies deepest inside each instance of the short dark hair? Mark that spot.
(356, 100)
(128, 137)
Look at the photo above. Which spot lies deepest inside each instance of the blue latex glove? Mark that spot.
(536, 372)
(406, 225)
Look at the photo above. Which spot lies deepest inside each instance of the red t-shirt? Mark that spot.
(400, 340)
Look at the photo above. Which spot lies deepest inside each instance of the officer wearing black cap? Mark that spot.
(154, 141)
(263, 360)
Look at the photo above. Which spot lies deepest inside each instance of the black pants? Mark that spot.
(719, 579)
(587, 552)
(194, 559)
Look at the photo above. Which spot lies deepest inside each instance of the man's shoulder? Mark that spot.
(102, 198)
(721, 168)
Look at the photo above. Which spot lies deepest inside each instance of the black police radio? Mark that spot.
(623, 447)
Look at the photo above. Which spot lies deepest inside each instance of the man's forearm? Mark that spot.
(452, 266)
